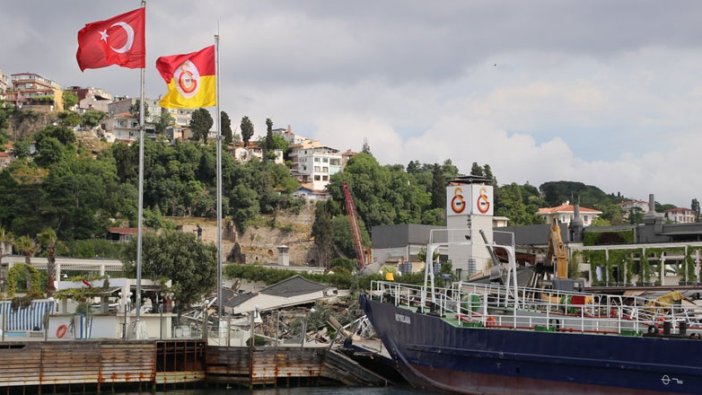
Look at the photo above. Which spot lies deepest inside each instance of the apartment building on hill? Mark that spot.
(33, 92)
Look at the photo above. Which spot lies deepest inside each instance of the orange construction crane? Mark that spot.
(353, 225)
(557, 250)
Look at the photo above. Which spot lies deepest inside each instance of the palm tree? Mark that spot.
(47, 238)
(27, 247)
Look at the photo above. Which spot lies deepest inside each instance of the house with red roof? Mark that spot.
(566, 212)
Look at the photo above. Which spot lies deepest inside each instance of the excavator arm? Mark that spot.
(557, 250)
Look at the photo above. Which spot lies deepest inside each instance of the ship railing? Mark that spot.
(551, 311)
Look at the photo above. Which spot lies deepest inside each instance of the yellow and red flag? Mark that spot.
(191, 79)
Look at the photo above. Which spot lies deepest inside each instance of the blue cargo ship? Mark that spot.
(504, 339)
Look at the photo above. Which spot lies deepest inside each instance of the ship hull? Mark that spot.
(434, 354)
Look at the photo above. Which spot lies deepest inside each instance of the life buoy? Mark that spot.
(61, 331)
(490, 321)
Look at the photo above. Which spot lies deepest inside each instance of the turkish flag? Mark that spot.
(118, 40)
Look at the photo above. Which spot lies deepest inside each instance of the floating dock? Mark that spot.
(103, 365)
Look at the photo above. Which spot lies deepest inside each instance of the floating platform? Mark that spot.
(107, 364)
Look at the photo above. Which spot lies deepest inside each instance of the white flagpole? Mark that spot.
(219, 184)
(141, 196)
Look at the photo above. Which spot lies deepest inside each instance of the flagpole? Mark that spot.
(219, 184)
(141, 197)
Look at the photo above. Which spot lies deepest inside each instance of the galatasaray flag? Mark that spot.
(191, 79)
(118, 40)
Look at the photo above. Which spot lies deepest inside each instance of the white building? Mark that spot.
(315, 164)
(121, 127)
(566, 212)
(5, 84)
(680, 215)
(629, 206)
(122, 105)
(91, 98)
(181, 122)
(290, 137)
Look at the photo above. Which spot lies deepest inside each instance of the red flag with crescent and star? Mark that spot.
(115, 41)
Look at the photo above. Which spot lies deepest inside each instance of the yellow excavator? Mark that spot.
(557, 250)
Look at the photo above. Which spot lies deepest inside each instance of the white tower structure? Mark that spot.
(469, 209)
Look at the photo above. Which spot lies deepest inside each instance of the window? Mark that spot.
(334, 162)
(316, 178)
(325, 160)
(316, 160)
(325, 169)
(325, 178)
(316, 169)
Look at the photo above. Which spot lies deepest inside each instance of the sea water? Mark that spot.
(297, 391)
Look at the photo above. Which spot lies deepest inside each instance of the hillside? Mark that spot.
(260, 240)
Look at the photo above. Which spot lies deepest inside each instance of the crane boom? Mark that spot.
(353, 225)
(556, 249)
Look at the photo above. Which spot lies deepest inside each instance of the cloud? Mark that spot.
(606, 93)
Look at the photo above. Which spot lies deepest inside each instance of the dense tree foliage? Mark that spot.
(177, 256)
(247, 130)
(226, 125)
(322, 229)
(70, 99)
(519, 203)
(164, 121)
(91, 118)
(200, 124)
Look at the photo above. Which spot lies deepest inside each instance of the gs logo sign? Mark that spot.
(458, 203)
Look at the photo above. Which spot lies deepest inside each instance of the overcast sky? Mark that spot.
(608, 93)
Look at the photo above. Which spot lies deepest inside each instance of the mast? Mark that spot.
(140, 221)
(219, 185)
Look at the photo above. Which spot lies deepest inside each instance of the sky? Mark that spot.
(608, 93)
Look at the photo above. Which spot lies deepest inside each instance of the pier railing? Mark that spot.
(490, 306)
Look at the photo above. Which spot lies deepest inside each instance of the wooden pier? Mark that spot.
(105, 364)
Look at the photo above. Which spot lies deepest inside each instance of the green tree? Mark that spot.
(511, 204)
(180, 257)
(247, 130)
(49, 151)
(382, 194)
(226, 124)
(636, 215)
(69, 119)
(438, 187)
(366, 149)
(695, 207)
(164, 121)
(21, 149)
(322, 234)
(268, 148)
(449, 170)
(136, 107)
(200, 124)
(91, 118)
(63, 134)
(476, 170)
(557, 192)
(70, 99)
(487, 171)
(245, 205)
(47, 239)
(27, 247)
